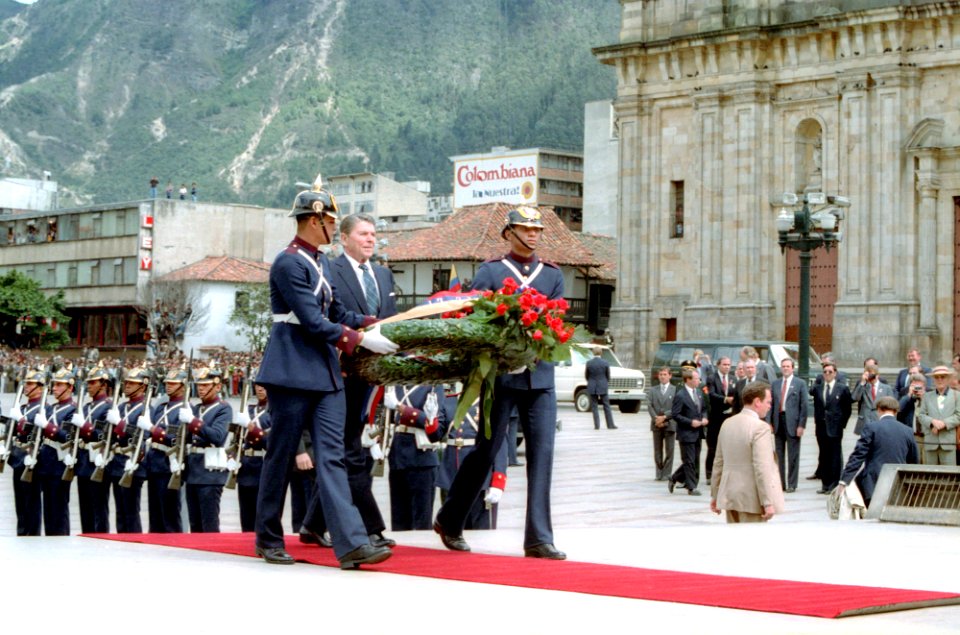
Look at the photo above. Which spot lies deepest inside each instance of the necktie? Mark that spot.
(370, 290)
(874, 392)
(724, 385)
(783, 395)
(826, 392)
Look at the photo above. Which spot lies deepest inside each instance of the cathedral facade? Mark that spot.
(722, 106)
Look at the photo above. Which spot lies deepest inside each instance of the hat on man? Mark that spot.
(208, 376)
(176, 376)
(315, 201)
(941, 370)
(64, 376)
(138, 375)
(98, 373)
(523, 215)
(688, 363)
(36, 377)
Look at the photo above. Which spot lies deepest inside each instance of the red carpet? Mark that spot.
(752, 594)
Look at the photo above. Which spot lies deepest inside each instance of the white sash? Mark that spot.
(524, 280)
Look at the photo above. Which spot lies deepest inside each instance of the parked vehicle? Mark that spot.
(673, 353)
(626, 384)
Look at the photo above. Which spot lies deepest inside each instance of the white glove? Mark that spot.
(41, 420)
(29, 461)
(98, 460)
(368, 436)
(113, 416)
(145, 424)
(494, 494)
(186, 416)
(374, 341)
(77, 419)
(517, 371)
(15, 413)
(430, 408)
(69, 460)
(243, 419)
(232, 464)
(390, 398)
(376, 452)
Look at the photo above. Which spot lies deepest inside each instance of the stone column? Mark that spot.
(928, 188)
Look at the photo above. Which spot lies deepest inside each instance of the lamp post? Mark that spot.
(804, 224)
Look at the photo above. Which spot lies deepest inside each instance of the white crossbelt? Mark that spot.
(289, 318)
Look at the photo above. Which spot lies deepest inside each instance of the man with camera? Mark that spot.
(866, 393)
(910, 404)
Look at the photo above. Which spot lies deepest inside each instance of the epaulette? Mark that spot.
(550, 264)
(291, 249)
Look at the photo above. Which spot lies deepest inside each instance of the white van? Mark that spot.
(626, 384)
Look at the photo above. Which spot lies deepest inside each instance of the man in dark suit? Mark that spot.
(689, 411)
(839, 376)
(597, 374)
(720, 391)
(868, 390)
(664, 428)
(750, 376)
(884, 440)
(367, 289)
(832, 405)
(903, 377)
(788, 417)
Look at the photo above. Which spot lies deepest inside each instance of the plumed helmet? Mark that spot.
(315, 201)
(138, 375)
(35, 376)
(176, 376)
(98, 373)
(208, 376)
(523, 215)
(64, 376)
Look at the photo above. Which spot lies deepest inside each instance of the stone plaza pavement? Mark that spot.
(607, 508)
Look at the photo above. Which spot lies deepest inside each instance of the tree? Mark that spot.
(173, 309)
(252, 314)
(28, 318)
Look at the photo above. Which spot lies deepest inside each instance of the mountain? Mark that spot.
(245, 97)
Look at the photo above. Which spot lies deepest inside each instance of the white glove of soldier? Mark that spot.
(145, 424)
(390, 398)
(243, 419)
(186, 415)
(113, 416)
(15, 413)
(374, 341)
(69, 460)
(77, 419)
(368, 436)
(376, 452)
(41, 420)
(430, 408)
(494, 494)
(517, 371)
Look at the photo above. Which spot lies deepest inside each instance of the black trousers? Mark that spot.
(26, 497)
(126, 502)
(247, 498)
(163, 505)
(832, 463)
(713, 433)
(411, 498)
(607, 413)
(94, 509)
(689, 471)
(203, 508)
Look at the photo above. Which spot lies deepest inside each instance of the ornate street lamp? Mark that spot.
(804, 229)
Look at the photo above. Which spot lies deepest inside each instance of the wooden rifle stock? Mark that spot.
(68, 470)
(27, 476)
(8, 434)
(106, 454)
(240, 433)
(176, 477)
(134, 461)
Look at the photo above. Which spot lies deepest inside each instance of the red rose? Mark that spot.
(501, 308)
(487, 293)
(537, 335)
(562, 304)
(528, 318)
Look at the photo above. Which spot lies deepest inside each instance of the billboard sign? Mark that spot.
(510, 179)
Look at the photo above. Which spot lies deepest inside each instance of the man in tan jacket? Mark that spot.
(746, 481)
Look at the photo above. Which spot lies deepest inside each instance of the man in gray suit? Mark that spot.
(788, 418)
(939, 418)
(664, 428)
(866, 393)
(597, 374)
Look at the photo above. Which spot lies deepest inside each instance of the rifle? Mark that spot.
(103, 458)
(6, 442)
(133, 462)
(176, 472)
(30, 461)
(70, 465)
(385, 439)
(239, 434)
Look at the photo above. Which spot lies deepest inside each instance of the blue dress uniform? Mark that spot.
(301, 372)
(163, 503)
(251, 464)
(26, 495)
(413, 464)
(94, 508)
(533, 394)
(460, 443)
(205, 481)
(126, 500)
(48, 473)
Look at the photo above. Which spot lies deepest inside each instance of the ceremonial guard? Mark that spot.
(531, 391)
(420, 425)
(460, 442)
(301, 372)
(164, 502)
(127, 451)
(206, 467)
(251, 459)
(94, 508)
(29, 420)
(48, 473)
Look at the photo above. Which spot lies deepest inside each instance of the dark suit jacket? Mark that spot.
(907, 414)
(795, 405)
(716, 395)
(831, 416)
(351, 293)
(882, 441)
(903, 381)
(597, 374)
(684, 410)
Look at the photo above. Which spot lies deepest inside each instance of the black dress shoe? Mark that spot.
(453, 543)
(790, 490)
(670, 485)
(813, 477)
(517, 464)
(309, 537)
(365, 554)
(823, 491)
(612, 428)
(275, 555)
(694, 492)
(546, 550)
(379, 540)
